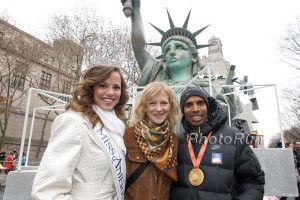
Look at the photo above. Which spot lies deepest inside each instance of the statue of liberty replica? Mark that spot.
(179, 63)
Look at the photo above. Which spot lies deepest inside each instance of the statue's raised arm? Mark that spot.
(137, 35)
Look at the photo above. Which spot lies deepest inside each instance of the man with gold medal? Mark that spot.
(215, 162)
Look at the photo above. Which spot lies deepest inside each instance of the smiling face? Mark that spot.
(107, 94)
(297, 146)
(157, 108)
(195, 111)
(177, 55)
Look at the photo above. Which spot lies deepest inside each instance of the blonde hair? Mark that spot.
(149, 92)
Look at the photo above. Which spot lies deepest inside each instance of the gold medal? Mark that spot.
(196, 176)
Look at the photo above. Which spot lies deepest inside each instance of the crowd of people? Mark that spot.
(8, 163)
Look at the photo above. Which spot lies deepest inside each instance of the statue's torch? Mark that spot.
(127, 8)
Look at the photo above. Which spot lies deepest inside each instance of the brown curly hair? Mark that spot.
(83, 96)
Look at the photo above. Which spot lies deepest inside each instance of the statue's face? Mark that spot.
(177, 55)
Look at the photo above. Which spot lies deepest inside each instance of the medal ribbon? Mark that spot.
(196, 162)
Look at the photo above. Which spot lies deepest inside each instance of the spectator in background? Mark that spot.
(15, 158)
(23, 159)
(296, 151)
(279, 144)
(2, 156)
(9, 163)
(15, 155)
(296, 148)
(289, 145)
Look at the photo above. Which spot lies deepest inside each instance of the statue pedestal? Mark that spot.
(19, 184)
(278, 165)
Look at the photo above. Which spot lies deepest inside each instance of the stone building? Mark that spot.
(222, 73)
(25, 62)
(218, 65)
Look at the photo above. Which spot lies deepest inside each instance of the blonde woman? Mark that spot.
(151, 158)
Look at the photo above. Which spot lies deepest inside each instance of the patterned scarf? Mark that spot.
(157, 144)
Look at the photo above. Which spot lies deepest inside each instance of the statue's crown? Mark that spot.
(179, 31)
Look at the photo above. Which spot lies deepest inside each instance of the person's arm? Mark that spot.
(54, 176)
(138, 39)
(248, 173)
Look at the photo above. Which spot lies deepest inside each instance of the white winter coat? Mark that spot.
(73, 166)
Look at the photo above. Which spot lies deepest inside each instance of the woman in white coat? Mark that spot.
(85, 154)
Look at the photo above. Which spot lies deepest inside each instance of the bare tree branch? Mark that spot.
(289, 45)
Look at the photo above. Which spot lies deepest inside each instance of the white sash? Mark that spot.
(117, 157)
(116, 154)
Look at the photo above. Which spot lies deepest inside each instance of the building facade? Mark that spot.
(27, 62)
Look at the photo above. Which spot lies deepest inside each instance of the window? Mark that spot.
(66, 89)
(18, 82)
(19, 74)
(46, 58)
(45, 81)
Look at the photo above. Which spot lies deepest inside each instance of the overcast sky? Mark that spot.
(249, 31)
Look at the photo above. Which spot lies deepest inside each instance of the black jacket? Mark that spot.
(237, 176)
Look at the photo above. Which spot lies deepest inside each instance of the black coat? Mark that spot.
(238, 176)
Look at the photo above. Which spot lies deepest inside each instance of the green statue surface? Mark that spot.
(179, 63)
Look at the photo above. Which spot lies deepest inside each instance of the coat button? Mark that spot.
(137, 157)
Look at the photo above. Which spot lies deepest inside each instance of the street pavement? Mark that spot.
(2, 188)
(2, 192)
(2, 184)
